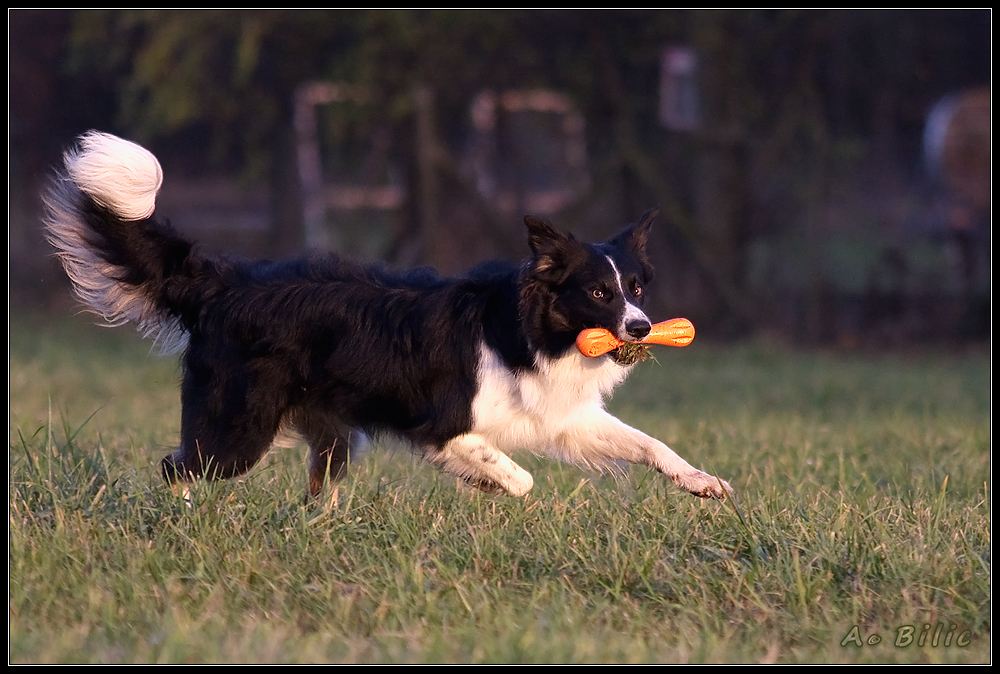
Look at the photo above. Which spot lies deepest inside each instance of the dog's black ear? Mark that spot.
(552, 249)
(543, 238)
(635, 237)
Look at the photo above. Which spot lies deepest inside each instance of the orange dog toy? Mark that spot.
(598, 341)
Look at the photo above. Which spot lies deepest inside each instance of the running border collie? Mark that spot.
(465, 369)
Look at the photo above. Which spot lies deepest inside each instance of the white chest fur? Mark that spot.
(532, 410)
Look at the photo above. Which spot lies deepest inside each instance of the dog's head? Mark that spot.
(569, 285)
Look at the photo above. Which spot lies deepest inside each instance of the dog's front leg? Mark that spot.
(604, 438)
(482, 465)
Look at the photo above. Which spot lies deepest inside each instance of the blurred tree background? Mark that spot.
(821, 175)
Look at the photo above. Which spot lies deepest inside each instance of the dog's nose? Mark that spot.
(637, 329)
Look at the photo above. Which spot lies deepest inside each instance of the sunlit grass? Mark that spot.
(863, 501)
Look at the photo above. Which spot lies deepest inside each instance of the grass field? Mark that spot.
(863, 515)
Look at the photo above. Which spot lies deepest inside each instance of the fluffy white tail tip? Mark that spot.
(118, 174)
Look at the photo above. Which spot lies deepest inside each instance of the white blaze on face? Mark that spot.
(632, 312)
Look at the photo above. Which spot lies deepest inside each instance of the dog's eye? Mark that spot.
(636, 289)
(597, 293)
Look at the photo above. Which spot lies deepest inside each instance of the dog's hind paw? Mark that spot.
(704, 485)
(183, 491)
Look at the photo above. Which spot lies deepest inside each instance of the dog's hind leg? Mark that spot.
(331, 447)
(482, 465)
(327, 459)
(225, 429)
(216, 457)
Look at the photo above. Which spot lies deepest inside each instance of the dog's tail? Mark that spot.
(125, 265)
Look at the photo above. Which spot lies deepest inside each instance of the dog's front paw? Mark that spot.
(704, 485)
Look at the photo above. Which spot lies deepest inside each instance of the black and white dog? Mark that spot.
(466, 369)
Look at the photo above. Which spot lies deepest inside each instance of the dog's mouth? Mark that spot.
(630, 353)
